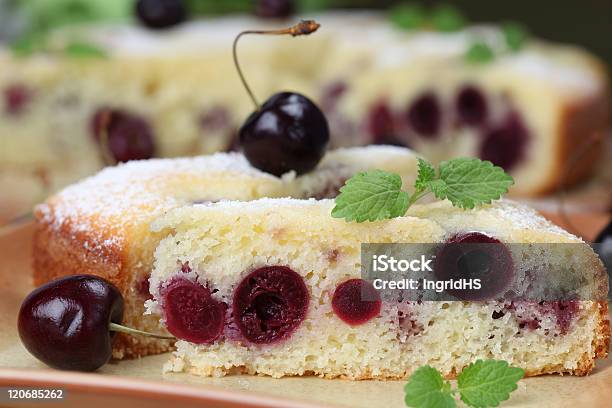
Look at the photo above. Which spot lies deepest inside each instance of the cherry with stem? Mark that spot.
(288, 132)
(70, 323)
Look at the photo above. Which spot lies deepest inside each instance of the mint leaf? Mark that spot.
(487, 383)
(408, 16)
(47, 15)
(438, 188)
(447, 18)
(479, 53)
(426, 174)
(471, 182)
(84, 50)
(426, 388)
(370, 196)
(515, 35)
(29, 44)
(377, 195)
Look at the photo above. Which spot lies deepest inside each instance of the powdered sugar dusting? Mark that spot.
(524, 217)
(121, 197)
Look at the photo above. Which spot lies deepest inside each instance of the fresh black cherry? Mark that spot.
(65, 323)
(159, 14)
(356, 302)
(123, 136)
(274, 8)
(70, 323)
(288, 132)
(269, 304)
(191, 312)
(474, 255)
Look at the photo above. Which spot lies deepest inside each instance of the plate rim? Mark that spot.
(94, 383)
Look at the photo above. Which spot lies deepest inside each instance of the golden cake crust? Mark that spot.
(580, 139)
(66, 250)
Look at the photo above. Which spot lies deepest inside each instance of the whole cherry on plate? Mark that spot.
(70, 323)
(158, 14)
(288, 132)
(274, 8)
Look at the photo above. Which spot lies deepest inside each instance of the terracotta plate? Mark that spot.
(141, 382)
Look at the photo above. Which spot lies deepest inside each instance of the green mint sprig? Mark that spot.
(377, 195)
(408, 16)
(482, 384)
(479, 52)
(411, 16)
(80, 49)
(370, 196)
(515, 35)
(447, 18)
(77, 49)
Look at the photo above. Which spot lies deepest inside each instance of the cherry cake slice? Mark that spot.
(286, 279)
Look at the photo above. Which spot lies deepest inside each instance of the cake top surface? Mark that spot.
(510, 220)
(352, 35)
(120, 197)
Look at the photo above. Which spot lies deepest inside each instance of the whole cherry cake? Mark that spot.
(175, 93)
(274, 287)
(245, 260)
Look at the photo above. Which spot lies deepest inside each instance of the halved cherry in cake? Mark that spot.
(471, 106)
(191, 312)
(425, 115)
(331, 94)
(215, 119)
(565, 310)
(269, 304)
(142, 288)
(530, 314)
(129, 136)
(16, 98)
(505, 145)
(381, 125)
(331, 189)
(474, 255)
(356, 302)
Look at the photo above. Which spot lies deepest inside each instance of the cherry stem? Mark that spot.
(128, 330)
(304, 27)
